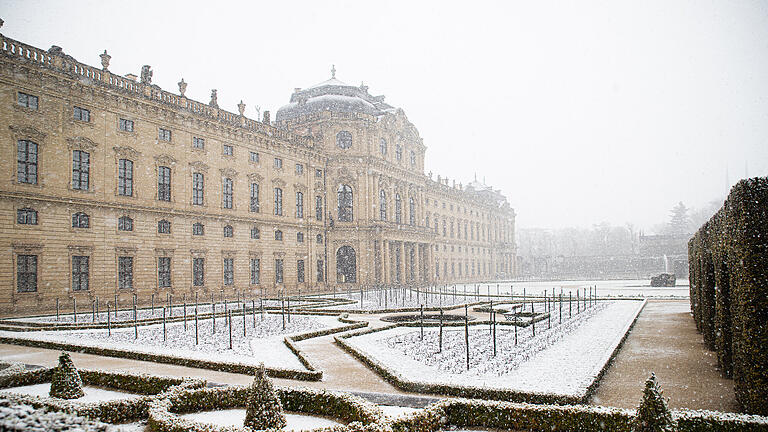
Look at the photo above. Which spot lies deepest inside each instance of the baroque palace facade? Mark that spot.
(115, 186)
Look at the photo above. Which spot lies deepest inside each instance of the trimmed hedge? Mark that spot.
(360, 414)
(728, 263)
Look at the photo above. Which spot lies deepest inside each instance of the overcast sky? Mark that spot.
(580, 112)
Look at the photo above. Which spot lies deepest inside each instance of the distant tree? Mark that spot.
(653, 414)
(679, 221)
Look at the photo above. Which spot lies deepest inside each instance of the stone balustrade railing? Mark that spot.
(70, 66)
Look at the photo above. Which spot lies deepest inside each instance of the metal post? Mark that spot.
(74, 309)
(109, 322)
(93, 310)
(152, 304)
(421, 321)
(197, 340)
(533, 319)
(490, 316)
(135, 324)
(213, 313)
(516, 323)
(494, 334)
(282, 311)
(184, 299)
(466, 332)
(170, 305)
(57, 309)
(288, 310)
(253, 311)
(229, 318)
(164, 334)
(117, 306)
(440, 337)
(244, 326)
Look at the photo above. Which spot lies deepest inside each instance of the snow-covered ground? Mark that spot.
(236, 417)
(86, 313)
(563, 360)
(399, 298)
(92, 394)
(262, 343)
(397, 411)
(611, 288)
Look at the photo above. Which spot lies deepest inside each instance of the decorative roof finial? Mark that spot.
(182, 87)
(333, 71)
(241, 107)
(105, 59)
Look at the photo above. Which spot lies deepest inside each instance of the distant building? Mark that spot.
(115, 185)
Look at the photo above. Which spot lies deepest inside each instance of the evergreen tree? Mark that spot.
(263, 408)
(679, 221)
(66, 382)
(653, 414)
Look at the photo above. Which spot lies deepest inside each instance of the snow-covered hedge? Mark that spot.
(728, 263)
(115, 411)
(474, 414)
(360, 414)
(16, 416)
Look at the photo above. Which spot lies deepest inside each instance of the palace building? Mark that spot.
(113, 185)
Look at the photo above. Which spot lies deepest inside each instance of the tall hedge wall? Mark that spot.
(728, 260)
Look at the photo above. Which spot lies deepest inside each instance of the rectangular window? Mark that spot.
(28, 101)
(299, 205)
(226, 192)
(300, 271)
(300, 237)
(125, 177)
(164, 183)
(320, 271)
(126, 125)
(26, 273)
(278, 201)
(227, 150)
(80, 273)
(125, 272)
(254, 157)
(198, 271)
(163, 226)
(299, 169)
(254, 197)
(198, 185)
(278, 271)
(198, 229)
(278, 235)
(81, 114)
(255, 271)
(164, 272)
(278, 163)
(26, 216)
(81, 220)
(229, 271)
(319, 207)
(26, 157)
(318, 173)
(81, 168)
(198, 143)
(125, 223)
(164, 134)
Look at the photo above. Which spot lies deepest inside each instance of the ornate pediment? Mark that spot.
(27, 132)
(228, 172)
(255, 177)
(126, 152)
(198, 166)
(300, 187)
(278, 182)
(165, 159)
(81, 143)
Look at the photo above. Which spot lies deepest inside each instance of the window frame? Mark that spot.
(164, 134)
(198, 271)
(227, 194)
(81, 170)
(228, 271)
(164, 226)
(195, 229)
(254, 204)
(31, 169)
(81, 114)
(346, 203)
(24, 214)
(125, 267)
(126, 125)
(299, 205)
(278, 192)
(121, 223)
(164, 272)
(125, 177)
(27, 103)
(198, 188)
(255, 271)
(164, 179)
(80, 267)
(81, 220)
(27, 278)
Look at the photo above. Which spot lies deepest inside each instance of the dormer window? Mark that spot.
(344, 140)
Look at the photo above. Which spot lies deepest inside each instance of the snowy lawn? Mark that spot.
(610, 288)
(399, 298)
(262, 343)
(564, 360)
(86, 312)
(92, 394)
(236, 417)
(392, 411)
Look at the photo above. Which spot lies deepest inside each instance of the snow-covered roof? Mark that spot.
(332, 95)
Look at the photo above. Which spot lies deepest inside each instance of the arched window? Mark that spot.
(345, 203)
(255, 233)
(346, 266)
(278, 235)
(163, 226)
(411, 211)
(125, 223)
(383, 205)
(228, 231)
(437, 228)
(383, 146)
(399, 152)
(319, 239)
(26, 216)
(81, 220)
(426, 223)
(413, 158)
(198, 229)
(344, 139)
(398, 208)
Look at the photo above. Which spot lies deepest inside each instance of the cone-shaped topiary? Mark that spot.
(263, 408)
(653, 414)
(66, 382)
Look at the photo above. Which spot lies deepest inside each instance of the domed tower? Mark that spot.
(374, 182)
